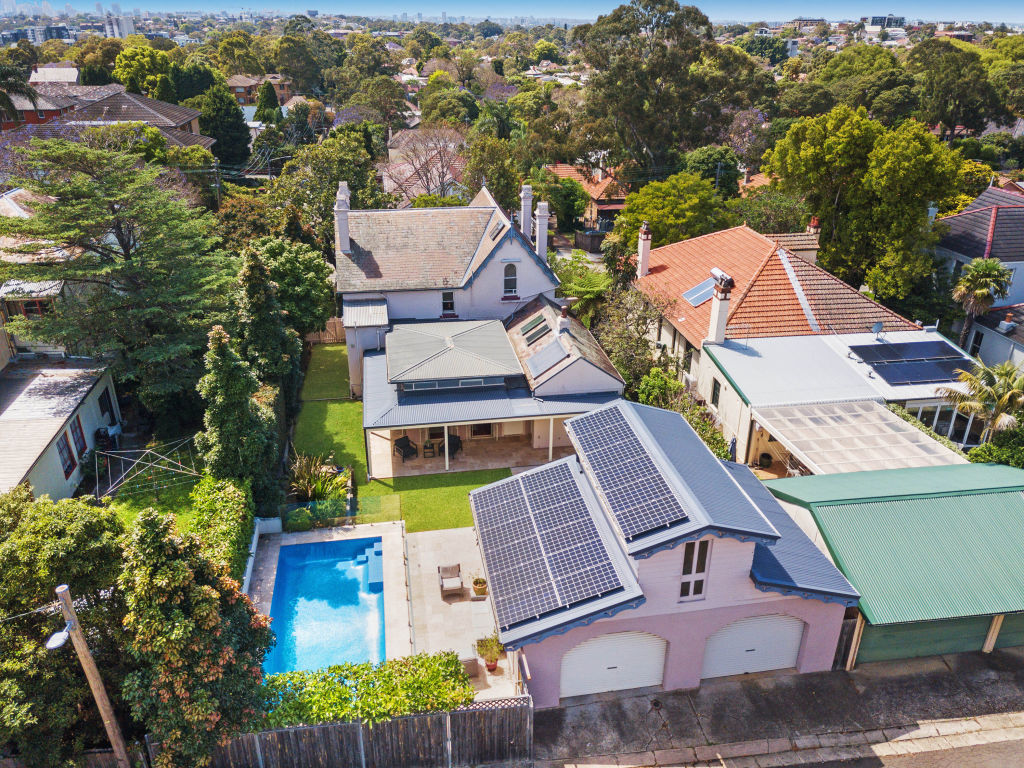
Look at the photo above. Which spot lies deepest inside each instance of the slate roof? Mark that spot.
(450, 349)
(126, 107)
(990, 227)
(70, 130)
(776, 293)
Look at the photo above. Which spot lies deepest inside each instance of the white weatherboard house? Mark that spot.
(464, 263)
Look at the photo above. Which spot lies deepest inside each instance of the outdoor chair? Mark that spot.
(406, 448)
(450, 578)
(454, 445)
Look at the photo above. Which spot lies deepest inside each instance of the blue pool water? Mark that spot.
(328, 605)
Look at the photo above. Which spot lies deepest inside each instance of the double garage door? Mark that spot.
(623, 660)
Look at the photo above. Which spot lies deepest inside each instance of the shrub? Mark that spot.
(224, 521)
(297, 520)
(315, 479)
(490, 648)
(368, 692)
(1006, 447)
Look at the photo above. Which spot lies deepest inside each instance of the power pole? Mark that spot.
(216, 169)
(92, 674)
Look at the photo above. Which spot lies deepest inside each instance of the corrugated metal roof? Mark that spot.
(15, 289)
(922, 559)
(450, 350)
(384, 409)
(793, 563)
(360, 313)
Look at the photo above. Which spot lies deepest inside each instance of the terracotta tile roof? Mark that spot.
(776, 294)
(796, 241)
(177, 138)
(757, 180)
(121, 107)
(605, 188)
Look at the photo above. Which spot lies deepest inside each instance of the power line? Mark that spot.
(48, 607)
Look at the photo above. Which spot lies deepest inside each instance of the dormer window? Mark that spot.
(693, 583)
(511, 281)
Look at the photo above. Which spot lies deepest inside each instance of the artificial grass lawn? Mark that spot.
(426, 502)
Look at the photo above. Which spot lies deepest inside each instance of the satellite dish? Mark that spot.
(877, 327)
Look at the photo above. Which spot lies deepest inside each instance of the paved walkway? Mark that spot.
(881, 709)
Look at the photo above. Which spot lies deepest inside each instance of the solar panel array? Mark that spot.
(627, 477)
(916, 362)
(541, 545)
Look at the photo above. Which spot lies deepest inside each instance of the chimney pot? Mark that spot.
(643, 250)
(1009, 317)
(342, 203)
(719, 306)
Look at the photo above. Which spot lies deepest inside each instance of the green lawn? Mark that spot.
(426, 502)
(174, 499)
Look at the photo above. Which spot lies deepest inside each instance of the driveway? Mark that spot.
(880, 695)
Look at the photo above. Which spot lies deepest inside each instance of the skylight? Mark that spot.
(700, 292)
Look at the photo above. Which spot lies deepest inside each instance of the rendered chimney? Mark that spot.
(342, 243)
(643, 250)
(719, 306)
(563, 320)
(542, 229)
(526, 211)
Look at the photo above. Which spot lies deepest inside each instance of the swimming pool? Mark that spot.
(328, 605)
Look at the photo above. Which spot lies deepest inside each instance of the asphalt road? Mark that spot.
(1006, 754)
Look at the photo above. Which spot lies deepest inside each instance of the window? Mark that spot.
(67, 459)
(40, 114)
(481, 430)
(471, 382)
(435, 433)
(511, 288)
(693, 584)
(107, 405)
(29, 307)
(976, 340)
(716, 391)
(78, 436)
(447, 302)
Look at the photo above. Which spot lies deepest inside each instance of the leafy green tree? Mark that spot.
(293, 58)
(145, 281)
(262, 338)
(804, 99)
(163, 90)
(450, 106)
(142, 65)
(545, 50)
(200, 683)
(237, 55)
(980, 284)
(856, 61)
(579, 280)
(305, 292)
(438, 201)
(992, 393)
(47, 714)
(719, 165)
(14, 83)
(385, 96)
(221, 118)
(567, 198)
(772, 49)
(490, 163)
(239, 440)
(1004, 447)
(191, 79)
(367, 56)
(770, 211)
(1009, 84)
(267, 106)
(954, 90)
(624, 328)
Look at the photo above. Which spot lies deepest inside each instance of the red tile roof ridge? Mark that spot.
(985, 208)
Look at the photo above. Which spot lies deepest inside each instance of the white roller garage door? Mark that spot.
(613, 662)
(756, 644)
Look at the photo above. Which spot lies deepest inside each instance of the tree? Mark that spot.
(267, 106)
(201, 683)
(719, 165)
(772, 49)
(748, 137)
(770, 211)
(48, 715)
(805, 99)
(953, 86)
(980, 284)
(293, 58)
(624, 330)
(262, 340)
(994, 394)
(221, 118)
(145, 280)
(1009, 84)
(449, 106)
(579, 280)
(490, 164)
(431, 159)
(239, 440)
(191, 80)
(385, 96)
(142, 65)
(438, 201)
(237, 56)
(856, 61)
(14, 83)
(305, 291)
(545, 50)
(163, 90)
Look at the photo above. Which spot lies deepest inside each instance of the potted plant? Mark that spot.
(490, 648)
(479, 585)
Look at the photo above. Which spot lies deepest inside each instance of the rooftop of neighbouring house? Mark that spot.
(990, 227)
(83, 94)
(55, 72)
(795, 241)
(896, 533)
(1008, 320)
(131, 107)
(776, 293)
(840, 367)
(36, 400)
(642, 481)
(599, 184)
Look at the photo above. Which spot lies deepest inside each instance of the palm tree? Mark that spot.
(994, 394)
(981, 283)
(14, 83)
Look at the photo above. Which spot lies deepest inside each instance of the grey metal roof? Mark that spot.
(360, 313)
(793, 564)
(450, 349)
(36, 400)
(385, 408)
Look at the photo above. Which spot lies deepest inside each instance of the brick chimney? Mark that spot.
(542, 229)
(342, 243)
(719, 306)
(643, 250)
(814, 226)
(747, 175)
(526, 211)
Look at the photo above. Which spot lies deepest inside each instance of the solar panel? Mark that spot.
(546, 357)
(911, 350)
(920, 371)
(700, 292)
(627, 477)
(918, 362)
(541, 545)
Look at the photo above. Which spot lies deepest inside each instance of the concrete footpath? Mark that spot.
(879, 710)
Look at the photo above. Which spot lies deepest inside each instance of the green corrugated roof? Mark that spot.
(926, 558)
(885, 484)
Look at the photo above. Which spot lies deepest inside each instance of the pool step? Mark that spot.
(375, 574)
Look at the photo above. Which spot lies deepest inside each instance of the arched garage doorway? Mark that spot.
(755, 644)
(613, 662)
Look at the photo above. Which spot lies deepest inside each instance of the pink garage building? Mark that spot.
(646, 561)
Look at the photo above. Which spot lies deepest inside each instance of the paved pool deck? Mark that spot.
(397, 628)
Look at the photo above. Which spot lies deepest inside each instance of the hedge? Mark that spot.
(224, 521)
(368, 692)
